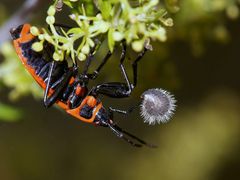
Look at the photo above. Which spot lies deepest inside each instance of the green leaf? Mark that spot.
(9, 114)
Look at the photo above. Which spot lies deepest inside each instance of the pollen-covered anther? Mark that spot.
(157, 106)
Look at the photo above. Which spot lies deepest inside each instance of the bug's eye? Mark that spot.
(15, 32)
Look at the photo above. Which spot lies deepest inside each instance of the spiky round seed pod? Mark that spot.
(157, 106)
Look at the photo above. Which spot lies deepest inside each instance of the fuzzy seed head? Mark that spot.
(157, 106)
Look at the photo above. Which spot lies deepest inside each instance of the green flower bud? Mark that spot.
(37, 46)
(138, 45)
(168, 22)
(85, 49)
(161, 34)
(103, 27)
(41, 37)
(153, 2)
(232, 11)
(99, 16)
(117, 36)
(50, 20)
(51, 11)
(58, 56)
(91, 42)
(65, 46)
(47, 37)
(81, 56)
(34, 31)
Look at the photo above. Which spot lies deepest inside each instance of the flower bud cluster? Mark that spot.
(117, 20)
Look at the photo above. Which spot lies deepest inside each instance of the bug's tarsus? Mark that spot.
(95, 74)
(123, 70)
(89, 60)
(134, 66)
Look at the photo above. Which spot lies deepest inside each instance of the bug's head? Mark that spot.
(20, 31)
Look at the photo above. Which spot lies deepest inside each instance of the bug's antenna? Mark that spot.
(134, 137)
(122, 136)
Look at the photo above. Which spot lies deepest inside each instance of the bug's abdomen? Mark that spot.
(37, 64)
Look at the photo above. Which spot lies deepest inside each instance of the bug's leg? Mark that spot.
(111, 89)
(96, 72)
(88, 62)
(90, 58)
(134, 66)
(59, 85)
(123, 70)
(116, 89)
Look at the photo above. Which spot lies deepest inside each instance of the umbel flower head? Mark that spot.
(113, 20)
(157, 106)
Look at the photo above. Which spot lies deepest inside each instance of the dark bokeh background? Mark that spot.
(200, 142)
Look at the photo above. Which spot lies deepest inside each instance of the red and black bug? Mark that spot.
(68, 88)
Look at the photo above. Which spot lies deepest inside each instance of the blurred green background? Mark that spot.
(199, 64)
